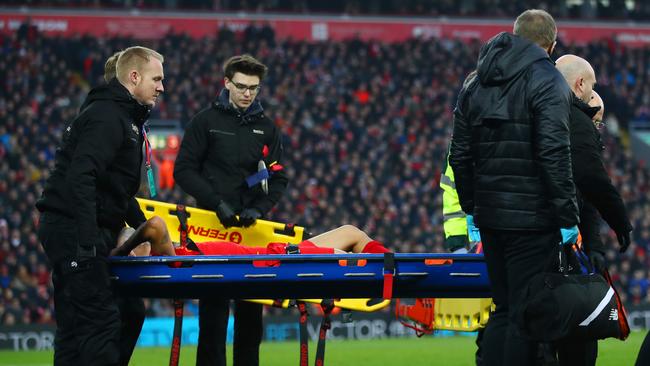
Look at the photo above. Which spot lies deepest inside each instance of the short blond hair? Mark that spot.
(134, 58)
(110, 66)
(537, 26)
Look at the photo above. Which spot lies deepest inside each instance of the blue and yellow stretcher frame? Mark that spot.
(301, 276)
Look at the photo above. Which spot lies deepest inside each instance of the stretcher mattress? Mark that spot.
(301, 276)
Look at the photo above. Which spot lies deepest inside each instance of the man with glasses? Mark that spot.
(229, 161)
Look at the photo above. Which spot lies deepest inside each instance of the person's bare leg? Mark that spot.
(153, 231)
(348, 238)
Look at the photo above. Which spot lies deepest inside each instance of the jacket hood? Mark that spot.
(506, 55)
(223, 102)
(116, 92)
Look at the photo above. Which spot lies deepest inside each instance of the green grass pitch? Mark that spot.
(458, 350)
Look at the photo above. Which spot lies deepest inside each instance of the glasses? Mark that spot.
(243, 87)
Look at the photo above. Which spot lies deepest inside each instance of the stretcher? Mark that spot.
(361, 282)
(302, 276)
(203, 225)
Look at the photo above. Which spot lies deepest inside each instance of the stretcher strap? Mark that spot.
(304, 345)
(186, 242)
(389, 273)
(327, 306)
(178, 328)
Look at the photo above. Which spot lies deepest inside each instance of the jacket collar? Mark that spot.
(586, 108)
(223, 103)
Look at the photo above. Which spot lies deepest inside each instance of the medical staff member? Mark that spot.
(86, 201)
(218, 164)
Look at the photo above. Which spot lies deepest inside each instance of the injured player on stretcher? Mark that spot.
(152, 238)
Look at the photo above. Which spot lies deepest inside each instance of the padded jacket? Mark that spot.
(221, 148)
(595, 188)
(510, 148)
(97, 166)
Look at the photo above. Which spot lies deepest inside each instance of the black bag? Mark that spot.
(558, 304)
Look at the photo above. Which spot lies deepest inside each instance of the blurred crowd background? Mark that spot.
(366, 127)
(577, 9)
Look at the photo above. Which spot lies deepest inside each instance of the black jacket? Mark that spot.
(97, 166)
(221, 148)
(591, 179)
(510, 147)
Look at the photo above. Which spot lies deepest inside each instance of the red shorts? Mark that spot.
(230, 248)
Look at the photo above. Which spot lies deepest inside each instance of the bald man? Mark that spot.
(596, 193)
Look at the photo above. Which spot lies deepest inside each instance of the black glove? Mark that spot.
(598, 261)
(226, 215)
(248, 216)
(623, 240)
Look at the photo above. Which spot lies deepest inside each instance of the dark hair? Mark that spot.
(246, 64)
(537, 26)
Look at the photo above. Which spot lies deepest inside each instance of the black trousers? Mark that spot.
(577, 352)
(643, 358)
(512, 259)
(87, 317)
(213, 323)
(132, 314)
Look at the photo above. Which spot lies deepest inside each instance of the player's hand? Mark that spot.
(226, 215)
(248, 216)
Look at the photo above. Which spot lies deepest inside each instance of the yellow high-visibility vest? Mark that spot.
(455, 222)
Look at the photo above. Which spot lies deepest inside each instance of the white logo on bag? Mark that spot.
(613, 315)
(259, 132)
(73, 264)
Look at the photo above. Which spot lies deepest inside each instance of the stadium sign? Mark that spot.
(27, 338)
(310, 28)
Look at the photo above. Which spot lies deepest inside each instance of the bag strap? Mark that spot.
(623, 324)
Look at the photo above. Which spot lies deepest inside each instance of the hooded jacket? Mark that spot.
(510, 147)
(98, 163)
(221, 147)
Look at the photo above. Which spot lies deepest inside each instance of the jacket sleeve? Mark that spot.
(97, 145)
(590, 228)
(461, 158)
(187, 169)
(278, 181)
(591, 177)
(134, 215)
(551, 105)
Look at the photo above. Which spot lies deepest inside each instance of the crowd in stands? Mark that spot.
(366, 127)
(580, 9)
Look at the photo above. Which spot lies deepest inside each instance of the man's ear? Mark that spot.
(134, 76)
